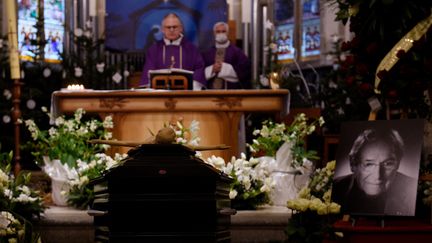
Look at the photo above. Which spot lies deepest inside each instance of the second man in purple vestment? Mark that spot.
(227, 67)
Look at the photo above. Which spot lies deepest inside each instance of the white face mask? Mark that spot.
(221, 37)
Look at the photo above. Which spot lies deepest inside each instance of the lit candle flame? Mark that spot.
(75, 87)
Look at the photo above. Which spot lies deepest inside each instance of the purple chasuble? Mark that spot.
(239, 61)
(186, 52)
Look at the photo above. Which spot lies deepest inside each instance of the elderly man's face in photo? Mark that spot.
(172, 28)
(376, 169)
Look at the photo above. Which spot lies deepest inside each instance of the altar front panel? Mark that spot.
(137, 114)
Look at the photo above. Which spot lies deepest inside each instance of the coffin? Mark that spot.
(162, 193)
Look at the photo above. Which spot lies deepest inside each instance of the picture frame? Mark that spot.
(377, 167)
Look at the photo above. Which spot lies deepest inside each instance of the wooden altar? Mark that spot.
(137, 112)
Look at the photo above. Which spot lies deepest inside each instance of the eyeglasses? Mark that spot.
(172, 28)
(387, 165)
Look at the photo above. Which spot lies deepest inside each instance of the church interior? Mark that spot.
(215, 121)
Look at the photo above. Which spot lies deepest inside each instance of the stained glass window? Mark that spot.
(310, 31)
(54, 18)
(297, 30)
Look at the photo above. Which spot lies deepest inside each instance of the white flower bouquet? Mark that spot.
(251, 185)
(19, 204)
(273, 135)
(15, 194)
(11, 229)
(81, 194)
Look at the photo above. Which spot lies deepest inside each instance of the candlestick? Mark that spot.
(12, 39)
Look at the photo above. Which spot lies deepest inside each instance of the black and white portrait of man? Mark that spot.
(377, 167)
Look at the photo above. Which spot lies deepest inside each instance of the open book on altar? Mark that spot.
(173, 78)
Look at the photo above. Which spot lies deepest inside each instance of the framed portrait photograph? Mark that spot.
(377, 167)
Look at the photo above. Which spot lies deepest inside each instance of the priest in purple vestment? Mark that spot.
(174, 51)
(227, 67)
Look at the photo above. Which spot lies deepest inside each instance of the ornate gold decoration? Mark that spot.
(404, 44)
(110, 103)
(229, 102)
(171, 103)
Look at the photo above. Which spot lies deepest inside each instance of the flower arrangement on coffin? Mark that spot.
(81, 194)
(186, 135)
(252, 183)
(59, 149)
(19, 204)
(313, 211)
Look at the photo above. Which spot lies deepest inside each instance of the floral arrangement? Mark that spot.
(340, 99)
(11, 228)
(67, 139)
(313, 211)
(15, 195)
(272, 135)
(19, 204)
(252, 183)
(14, 228)
(405, 87)
(186, 135)
(81, 194)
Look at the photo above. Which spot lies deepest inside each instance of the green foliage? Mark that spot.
(81, 196)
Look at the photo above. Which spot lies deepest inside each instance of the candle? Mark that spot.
(12, 39)
(92, 8)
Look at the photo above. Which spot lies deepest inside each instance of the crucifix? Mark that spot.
(172, 62)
